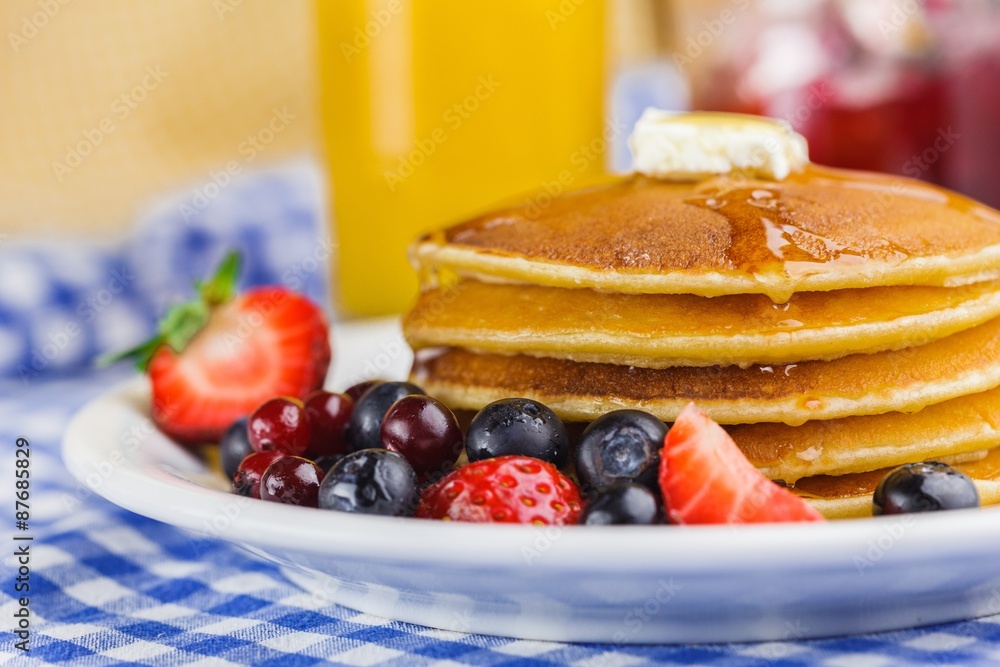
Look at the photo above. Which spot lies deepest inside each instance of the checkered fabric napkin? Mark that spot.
(111, 587)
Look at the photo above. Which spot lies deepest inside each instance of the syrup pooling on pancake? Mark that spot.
(663, 330)
(766, 236)
(821, 229)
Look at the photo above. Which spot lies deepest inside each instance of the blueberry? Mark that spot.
(517, 426)
(366, 419)
(620, 446)
(924, 487)
(623, 503)
(234, 446)
(371, 481)
(356, 391)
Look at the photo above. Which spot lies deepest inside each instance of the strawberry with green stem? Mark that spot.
(219, 356)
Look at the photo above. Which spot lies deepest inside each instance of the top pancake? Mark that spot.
(819, 230)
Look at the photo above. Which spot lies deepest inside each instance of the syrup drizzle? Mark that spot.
(767, 240)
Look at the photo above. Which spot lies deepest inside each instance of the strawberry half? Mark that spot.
(706, 479)
(220, 356)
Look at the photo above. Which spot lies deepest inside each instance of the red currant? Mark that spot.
(424, 432)
(279, 423)
(292, 480)
(328, 414)
(246, 481)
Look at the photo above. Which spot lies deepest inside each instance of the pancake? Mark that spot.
(850, 496)
(663, 330)
(862, 384)
(818, 230)
(858, 444)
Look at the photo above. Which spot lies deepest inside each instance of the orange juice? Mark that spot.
(435, 110)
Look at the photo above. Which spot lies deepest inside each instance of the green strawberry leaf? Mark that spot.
(141, 353)
(221, 287)
(183, 321)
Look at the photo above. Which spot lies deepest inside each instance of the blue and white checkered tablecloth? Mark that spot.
(110, 587)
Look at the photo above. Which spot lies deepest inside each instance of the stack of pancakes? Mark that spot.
(838, 324)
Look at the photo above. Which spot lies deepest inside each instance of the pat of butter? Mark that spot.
(694, 146)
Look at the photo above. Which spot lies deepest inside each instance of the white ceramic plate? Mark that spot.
(607, 584)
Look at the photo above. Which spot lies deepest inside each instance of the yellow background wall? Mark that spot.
(159, 92)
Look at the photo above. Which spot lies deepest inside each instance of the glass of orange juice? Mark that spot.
(435, 110)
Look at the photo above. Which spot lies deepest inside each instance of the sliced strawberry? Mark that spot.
(706, 479)
(217, 358)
